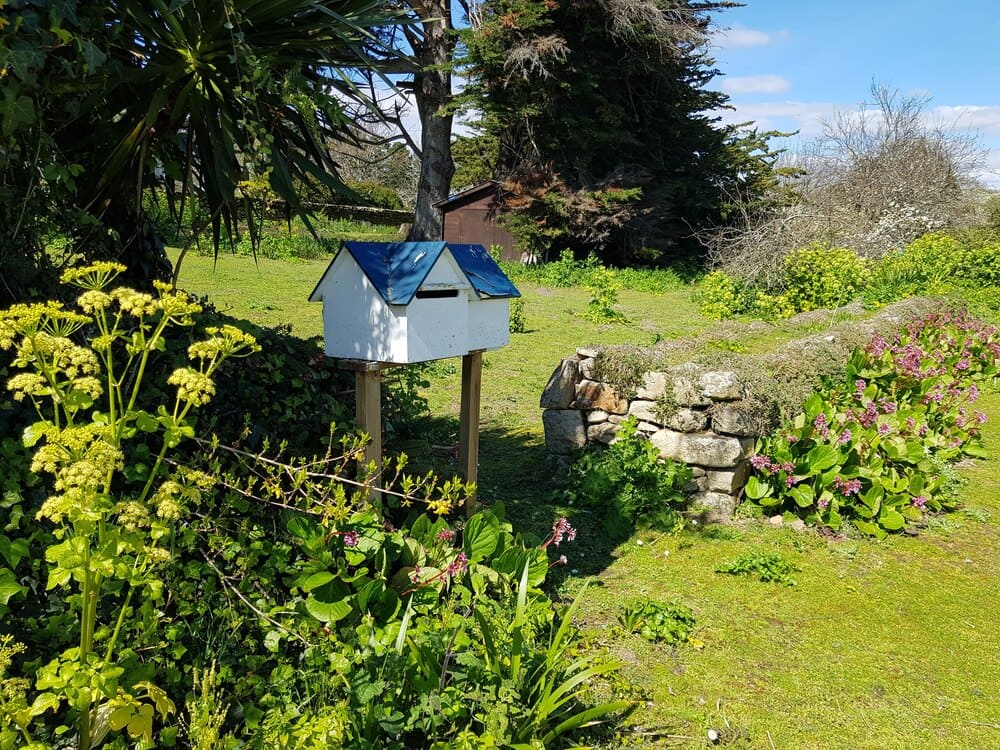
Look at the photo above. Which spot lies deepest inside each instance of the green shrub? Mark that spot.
(720, 296)
(604, 296)
(823, 277)
(517, 322)
(629, 483)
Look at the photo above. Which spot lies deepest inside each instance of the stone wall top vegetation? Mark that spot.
(706, 412)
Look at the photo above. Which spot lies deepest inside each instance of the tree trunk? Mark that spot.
(432, 91)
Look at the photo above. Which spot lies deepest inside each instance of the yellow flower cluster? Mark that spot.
(136, 304)
(192, 386)
(93, 276)
(132, 515)
(227, 341)
(167, 500)
(93, 301)
(61, 354)
(82, 473)
(176, 305)
(27, 384)
(89, 385)
(29, 320)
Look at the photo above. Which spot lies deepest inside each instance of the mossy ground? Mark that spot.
(879, 645)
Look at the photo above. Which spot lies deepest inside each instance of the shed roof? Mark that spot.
(467, 195)
(397, 269)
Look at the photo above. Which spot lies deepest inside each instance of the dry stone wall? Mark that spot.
(692, 414)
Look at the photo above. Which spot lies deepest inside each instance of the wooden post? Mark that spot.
(368, 408)
(368, 405)
(472, 381)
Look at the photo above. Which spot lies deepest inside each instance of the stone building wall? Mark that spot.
(692, 414)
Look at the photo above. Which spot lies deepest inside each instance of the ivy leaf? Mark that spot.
(9, 586)
(17, 112)
(13, 551)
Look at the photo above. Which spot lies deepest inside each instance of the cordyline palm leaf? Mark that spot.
(214, 92)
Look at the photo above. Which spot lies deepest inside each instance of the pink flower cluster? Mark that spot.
(560, 530)
(847, 486)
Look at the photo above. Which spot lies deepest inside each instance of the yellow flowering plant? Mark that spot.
(83, 371)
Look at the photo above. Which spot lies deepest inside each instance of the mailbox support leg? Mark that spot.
(368, 405)
(472, 379)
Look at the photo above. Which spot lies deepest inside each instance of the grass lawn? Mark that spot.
(879, 645)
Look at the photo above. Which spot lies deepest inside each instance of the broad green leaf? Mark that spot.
(803, 495)
(480, 537)
(891, 520)
(315, 580)
(327, 611)
(757, 489)
(869, 528)
(822, 457)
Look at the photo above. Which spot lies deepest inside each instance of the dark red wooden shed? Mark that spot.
(470, 218)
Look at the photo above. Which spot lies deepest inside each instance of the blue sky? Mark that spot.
(788, 63)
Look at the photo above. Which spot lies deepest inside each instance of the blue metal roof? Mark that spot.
(482, 271)
(397, 269)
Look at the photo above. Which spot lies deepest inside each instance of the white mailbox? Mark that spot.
(404, 302)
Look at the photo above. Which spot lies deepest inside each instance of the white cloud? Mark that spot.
(740, 36)
(762, 84)
(984, 119)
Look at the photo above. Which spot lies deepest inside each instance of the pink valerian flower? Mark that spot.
(878, 346)
(457, 566)
(887, 407)
(859, 387)
(962, 364)
(821, 425)
(822, 503)
(884, 428)
(788, 466)
(415, 574)
(972, 394)
(847, 486)
(845, 437)
(919, 501)
(759, 461)
(869, 416)
(350, 539)
(791, 480)
(792, 438)
(560, 530)
(911, 424)
(981, 417)
(445, 535)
